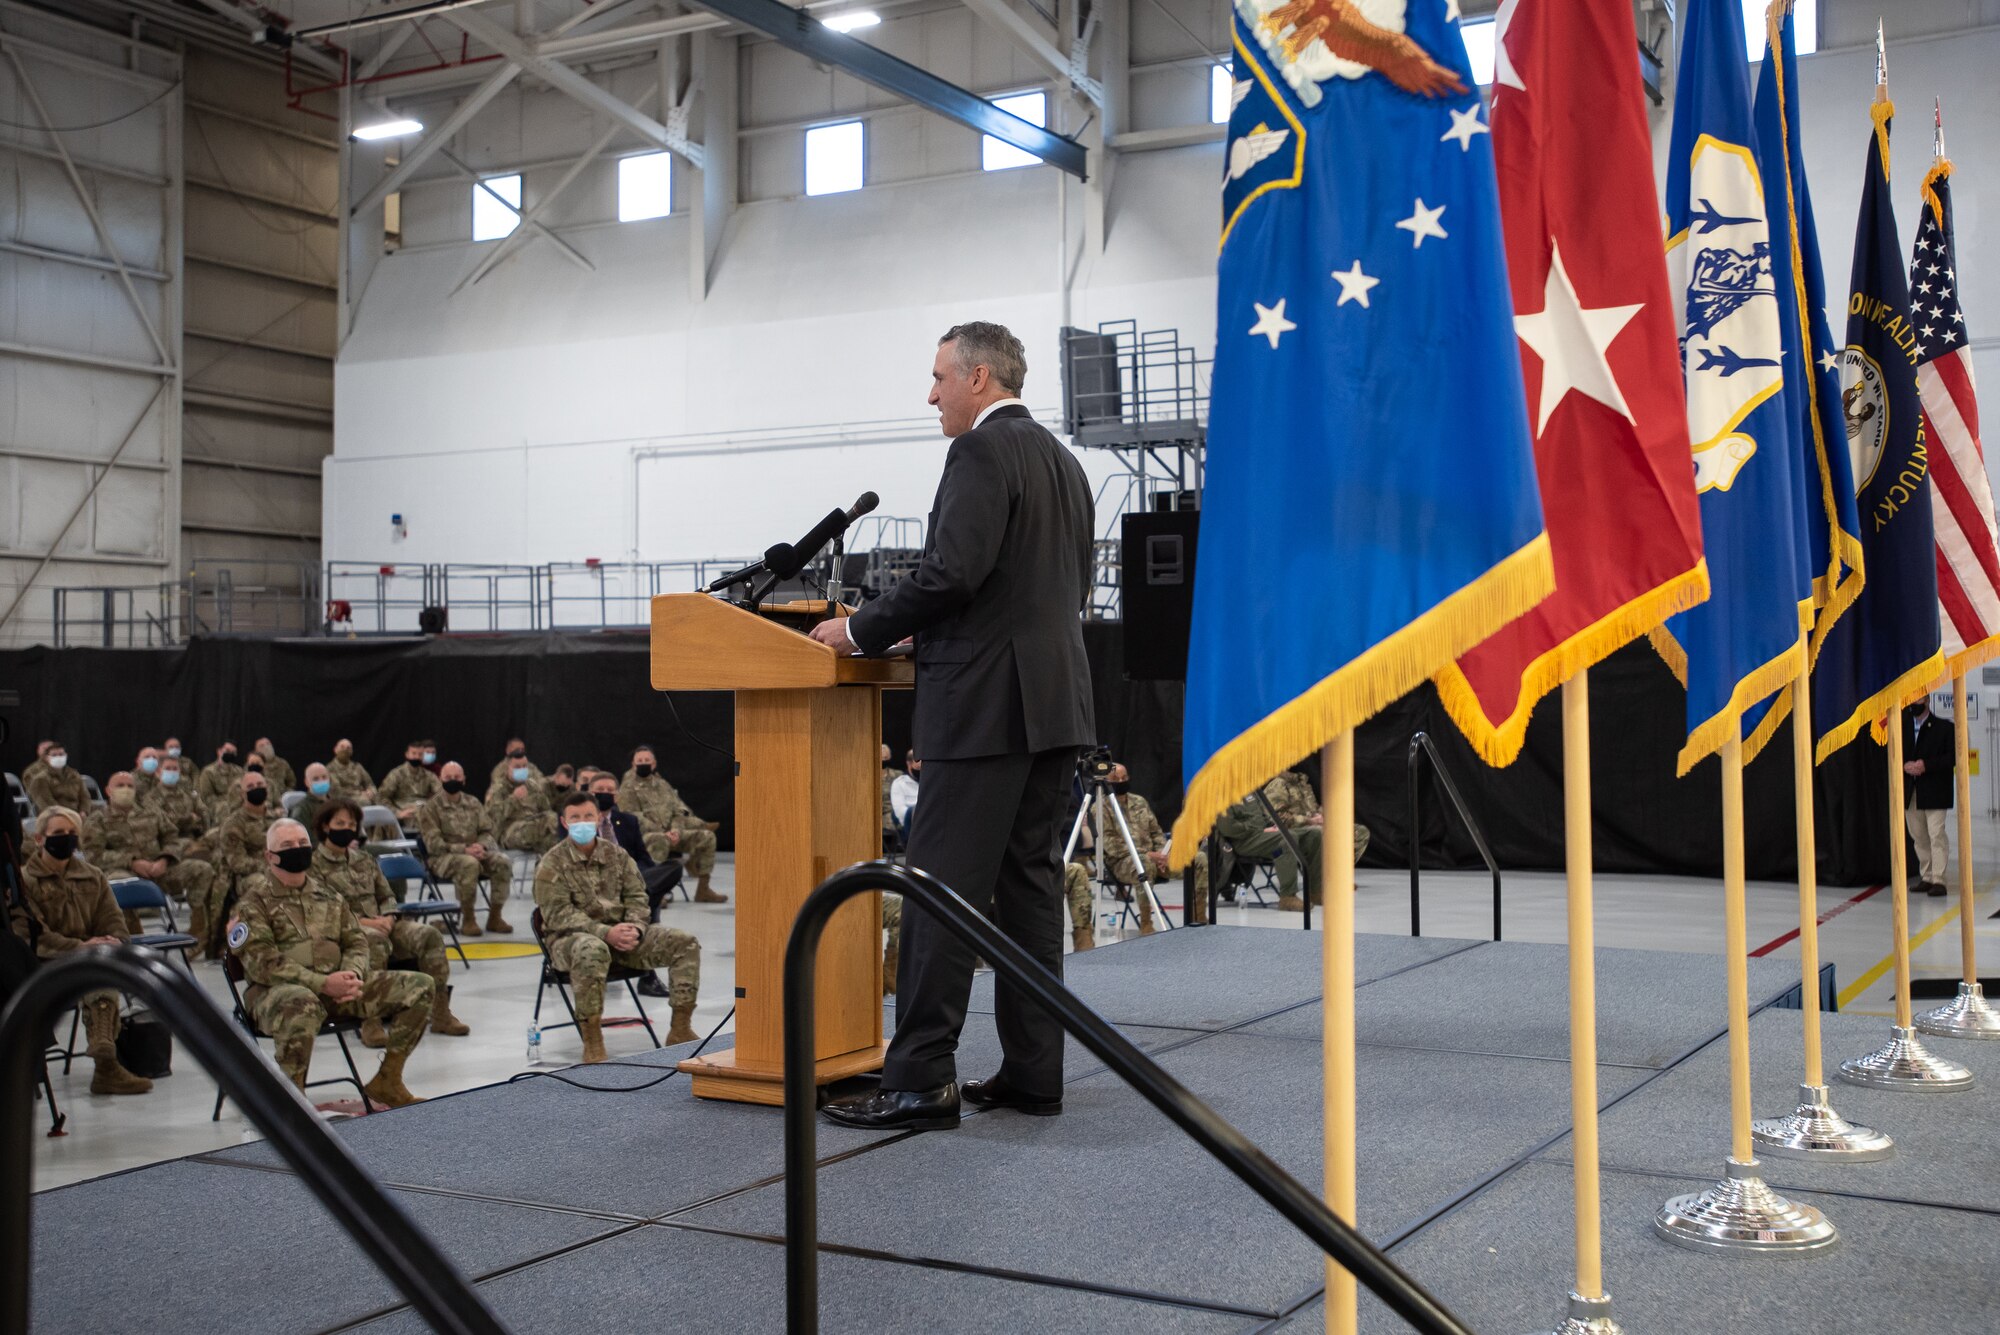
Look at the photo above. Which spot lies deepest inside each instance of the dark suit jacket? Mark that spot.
(1937, 746)
(995, 601)
(630, 837)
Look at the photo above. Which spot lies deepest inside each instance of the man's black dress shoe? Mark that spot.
(997, 1093)
(898, 1110)
(651, 986)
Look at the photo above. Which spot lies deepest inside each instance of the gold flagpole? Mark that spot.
(1337, 1041)
(1813, 1130)
(1740, 1213)
(1903, 1063)
(1968, 1015)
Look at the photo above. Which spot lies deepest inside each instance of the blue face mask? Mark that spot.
(174, 751)
(520, 775)
(319, 787)
(171, 777)
(149, 764)
(430, 757)
(584, 833)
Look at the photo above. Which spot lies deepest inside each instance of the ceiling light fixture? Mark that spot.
(388, 129)
(852, 19)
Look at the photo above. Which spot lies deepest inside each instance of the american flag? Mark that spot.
(1968, 554)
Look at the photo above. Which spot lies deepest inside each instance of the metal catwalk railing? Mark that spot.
(1306, 1212)
(379, 1226)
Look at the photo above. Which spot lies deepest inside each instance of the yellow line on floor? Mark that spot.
(1874, 975)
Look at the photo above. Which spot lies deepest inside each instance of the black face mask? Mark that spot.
(560, 785)
(1120, 788)
(294, 860)
(605, 801)
(454, 785)
(888, 764)
(255, 796)
(342, 838)
(256, 767)
(61, 847)
(517, 755)
(643, 771)
(229, 757)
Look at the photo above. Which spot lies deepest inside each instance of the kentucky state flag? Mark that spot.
(1812, 358)
(1370, 509)
(1737, 649)
(1885, 652)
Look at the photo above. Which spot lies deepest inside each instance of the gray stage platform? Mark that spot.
(580, 1210)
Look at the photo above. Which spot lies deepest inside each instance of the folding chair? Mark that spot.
(136, 895)
(382, 818)
(1254, 874)
(291, 800)
(402, 868)
(95, 793)
(337, 1025)
(525, 865)
(556, 978)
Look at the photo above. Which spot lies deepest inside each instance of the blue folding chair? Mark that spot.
(137, 895)
(404, 868)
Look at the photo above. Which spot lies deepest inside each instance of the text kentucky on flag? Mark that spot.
(1369, 509)
(1834, 552)
(1885, 651)
(1738, 649)
(1596, 327)
(1968, 565)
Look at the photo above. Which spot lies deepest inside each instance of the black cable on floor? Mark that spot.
(561, 1077)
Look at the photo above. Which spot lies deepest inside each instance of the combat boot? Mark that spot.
(1197, 909)
(1146, 927)
(890, 959)
(442, 1020)
(373, 1035)
(1083, 938)
(387, 1087)
(704, 895)
(592, 1030)
(682, 1030)
(100, 1020)
(496, 923)
(1291, 904)
(468, 920)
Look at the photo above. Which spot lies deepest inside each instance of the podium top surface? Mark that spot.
(701, 643)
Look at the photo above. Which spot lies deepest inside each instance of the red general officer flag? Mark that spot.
(1600, 359)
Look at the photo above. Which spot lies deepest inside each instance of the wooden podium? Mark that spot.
(808, 802)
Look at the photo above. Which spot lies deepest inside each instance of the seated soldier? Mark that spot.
(903, 791)
(514, 757)
(561, 783)
(144, 772)
(1291, 796)
(57, 785)
(65, 904)
(672, 829)
(125, 839)
(518, 805)
(892, 834)
(306, 957)
(458, 840)
(218, 784)
(350, 778)
(277, 770)
(38, 766)
(237, 848)
(1082, 909)
(319, 795)
(622, 828)
(174, 801)
(594, 912)
(1151, 860)
(407, 787)
(340, 861)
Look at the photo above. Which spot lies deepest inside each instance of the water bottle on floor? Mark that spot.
(534, 1044)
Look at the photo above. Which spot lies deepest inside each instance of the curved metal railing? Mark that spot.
(1306, 1212)
(1421, 747)
(400, 1249)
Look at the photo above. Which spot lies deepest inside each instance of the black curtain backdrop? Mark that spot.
(586, 699)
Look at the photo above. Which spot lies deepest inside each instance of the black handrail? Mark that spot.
(1309, 1214)
(401, 1250)
(1307, 874)
(1421, 745)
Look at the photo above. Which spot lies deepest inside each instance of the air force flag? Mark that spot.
(1370, 509)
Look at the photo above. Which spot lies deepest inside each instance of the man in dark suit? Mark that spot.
(622, 827)
(1003, 702)
(1930, 756)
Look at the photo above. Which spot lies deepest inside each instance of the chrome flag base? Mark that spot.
(1965, 1016)
(1816, 1131)
(1904, 1063)
(1741, 1214)
(1588, 1316)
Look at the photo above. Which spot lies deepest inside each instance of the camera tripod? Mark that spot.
(1098, 799)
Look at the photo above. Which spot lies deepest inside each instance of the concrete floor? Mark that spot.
(494, 997)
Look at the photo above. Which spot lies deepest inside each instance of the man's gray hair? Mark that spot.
(279, 827)
(982, 343)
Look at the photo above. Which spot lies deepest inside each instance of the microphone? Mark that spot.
(784, 560)
(829, 528)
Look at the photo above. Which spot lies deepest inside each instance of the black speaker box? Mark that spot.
(1156, 583)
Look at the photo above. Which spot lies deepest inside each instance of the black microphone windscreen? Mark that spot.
(866, 504)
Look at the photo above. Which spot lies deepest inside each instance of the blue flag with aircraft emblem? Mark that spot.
(1370, 508)
(1738, 649)
(1886, 651)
